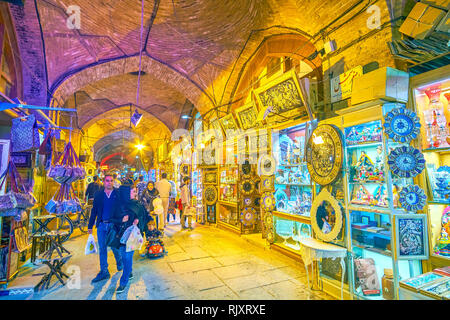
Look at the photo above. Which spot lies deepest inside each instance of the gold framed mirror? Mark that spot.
(326, 216)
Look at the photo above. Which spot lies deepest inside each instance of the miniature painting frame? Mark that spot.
(247, 116)
(404, 224)
(286, 106)
(228, 123)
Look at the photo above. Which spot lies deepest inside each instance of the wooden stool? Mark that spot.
(55, 264)
(42, 223)
(55, 244)
(39, 244)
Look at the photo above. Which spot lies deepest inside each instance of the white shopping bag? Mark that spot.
(189, 211)
(91, 246)
(135, 240)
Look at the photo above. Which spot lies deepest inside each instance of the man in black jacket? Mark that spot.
(92, 189)
(105, 201)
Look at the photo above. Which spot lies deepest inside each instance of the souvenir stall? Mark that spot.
(239, 196)
(430, 99)
(288, 193)
(197, 189)
(228, 180)
(384, 228)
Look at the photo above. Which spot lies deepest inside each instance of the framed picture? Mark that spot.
(247, 115)
(411, 236)
(21, 159)
(209, 177)
(284, 96)
(215, 124)
(228, 123)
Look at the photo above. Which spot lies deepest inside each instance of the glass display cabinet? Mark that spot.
(197, 189)
(430, 93)
(293, 188)
(228, 176)
(374, 180)
(228, 192)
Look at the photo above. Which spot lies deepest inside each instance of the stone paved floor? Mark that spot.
(206, 263)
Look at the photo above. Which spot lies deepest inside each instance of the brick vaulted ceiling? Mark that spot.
(188, 46)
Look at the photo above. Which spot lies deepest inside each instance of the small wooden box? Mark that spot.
(384, 83)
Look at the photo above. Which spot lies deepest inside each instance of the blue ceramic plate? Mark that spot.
(401, 125)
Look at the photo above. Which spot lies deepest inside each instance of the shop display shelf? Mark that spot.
(373, 249)
(295, 217)
(292, 165)
(368, 182)
(228, 203)
(293, 184)
(441, 150)
(439, 202)
(364, 145)
(357, 207)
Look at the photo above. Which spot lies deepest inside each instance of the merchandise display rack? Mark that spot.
(371, 208)
(430, 99)
(291, 216)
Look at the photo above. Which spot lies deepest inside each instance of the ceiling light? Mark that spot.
(136, 118)
(139, 146)
(185, 116)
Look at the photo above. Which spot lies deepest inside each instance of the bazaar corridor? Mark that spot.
(206, 263)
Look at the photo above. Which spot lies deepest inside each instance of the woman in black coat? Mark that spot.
(130, 212)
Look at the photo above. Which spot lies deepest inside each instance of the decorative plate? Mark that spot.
(412, 198)
(324, 154)
(267, 183)
(248, 216)
(247, 187)
(247, 201)
(210, 195)
(406, 161)
(268, 201)
(270, 237)
(402, 125)
(266, 165)
(246, 169)
(268, 219)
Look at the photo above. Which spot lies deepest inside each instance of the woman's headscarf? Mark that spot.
(152, 192)
(124, 194)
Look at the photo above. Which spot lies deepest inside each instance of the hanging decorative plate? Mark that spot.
(210, 195)
(247, 201)
(268, 219)
(248, 216)
(267, 183)
(266, 165)
(412, 198)
(270, 237)
(406, 161)
(268, 201)
(246, 169)
(324, 154)
(402, 125)
(247, 187)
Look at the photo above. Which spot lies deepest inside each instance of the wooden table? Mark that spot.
(315, 250)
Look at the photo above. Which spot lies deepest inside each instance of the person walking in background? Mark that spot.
(130, 212)
(105, 202)
(164, 188)
(186, 203)
(141, 185)
(117, 182)
(91, 189)
(150, 193)
(172, 202)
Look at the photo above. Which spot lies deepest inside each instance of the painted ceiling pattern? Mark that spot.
(187, 46)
